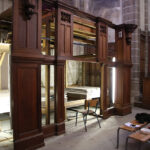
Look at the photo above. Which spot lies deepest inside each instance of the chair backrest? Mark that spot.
(96, 106)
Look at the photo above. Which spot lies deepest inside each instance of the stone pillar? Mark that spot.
(130, 13)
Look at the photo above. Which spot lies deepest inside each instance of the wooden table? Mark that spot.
(139, 136)
(129, 129)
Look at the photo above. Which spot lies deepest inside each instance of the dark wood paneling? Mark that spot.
(64, 34)
(104, 91)
(26, 104)
(126, 85)
(149, 55)
(101, 41)
(48, 130)
(26, 78)
(146, 93)
(68, 44)
(27, 32)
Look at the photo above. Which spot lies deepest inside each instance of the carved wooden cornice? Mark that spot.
(129, 28)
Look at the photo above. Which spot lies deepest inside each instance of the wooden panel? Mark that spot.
(20, 40)
(126, 85)
(27, 76)
(68, 41)
(146, 93)
(101, 41)
(26, 105)
(119, 53)
(27, 33)
(149, 55)
(104, 47)
(33, 31)
(122, 101)
(101, 47)
(64, 33)
(62, 41)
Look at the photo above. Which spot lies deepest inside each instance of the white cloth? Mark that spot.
(90, 92)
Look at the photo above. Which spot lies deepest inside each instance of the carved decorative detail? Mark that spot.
(65, 17)
(102, 29)
(120, 34)
(129, 28)
(28, 9)
(128, 40)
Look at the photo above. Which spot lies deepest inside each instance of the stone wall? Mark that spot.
(130, 11)
(5, 4)
(110, 9)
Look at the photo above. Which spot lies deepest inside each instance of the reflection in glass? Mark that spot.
(48, 33)
(84, 37)
(113, 81)
(47, 94)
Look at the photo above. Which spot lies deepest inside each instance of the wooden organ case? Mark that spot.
(27, 59)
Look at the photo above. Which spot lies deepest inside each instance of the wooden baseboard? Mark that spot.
(142, 105)
(29, 143)
(60, 129)
(125, 110)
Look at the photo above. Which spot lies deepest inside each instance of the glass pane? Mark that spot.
(111, 86)
(47, 94)
(111, 43)
(84, 37)
(48, 30)
(43, 94)
(52, 94)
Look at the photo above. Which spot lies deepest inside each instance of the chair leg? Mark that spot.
(126, 146)
(76, 118)
(98, 120)
(84, 120)
(140, 145)
(118, 138)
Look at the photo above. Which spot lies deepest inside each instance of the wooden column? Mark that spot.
(64, 45)
(104, 91)
(123, 70)
(101, 40)
(59, 94)
(26, 76)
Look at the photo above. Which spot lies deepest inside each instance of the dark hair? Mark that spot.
(142, 117)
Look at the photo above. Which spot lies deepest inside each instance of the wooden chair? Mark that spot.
(138, 136)
(131, 129)
(86, 112)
